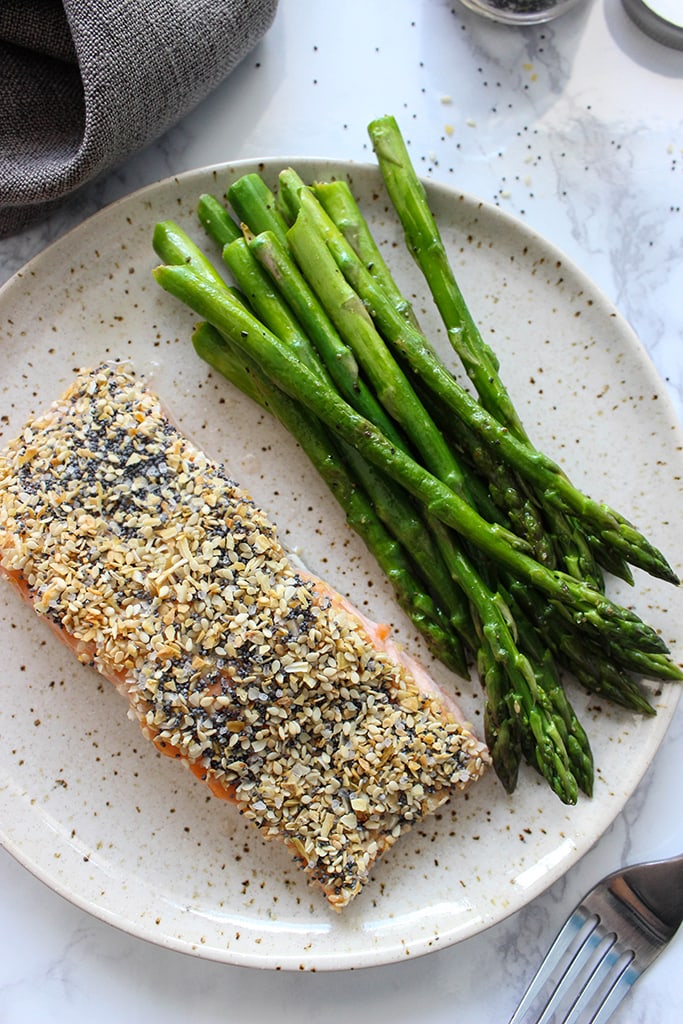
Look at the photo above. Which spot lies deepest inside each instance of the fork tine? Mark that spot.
(566, 937)
(621, 988)
(582, 965)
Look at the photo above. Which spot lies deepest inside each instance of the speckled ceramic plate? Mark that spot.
(89, 807)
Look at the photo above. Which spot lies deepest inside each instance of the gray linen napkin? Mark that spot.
(86, 83)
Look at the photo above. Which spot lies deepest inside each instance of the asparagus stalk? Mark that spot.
(549, 683)
(267, 305)
(289, 184)
(337, 357)
(424, 242)
(255, 201)
(575, 553)
(255, 205)
(294, 287)
(519, 706)
(216, 220)
(502, 726)
(173, 245)
(405, 522)
(338, 202)
(600, 668)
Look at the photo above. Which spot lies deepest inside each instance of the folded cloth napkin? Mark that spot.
(85, 84)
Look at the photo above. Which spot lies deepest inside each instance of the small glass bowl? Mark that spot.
(521, 12)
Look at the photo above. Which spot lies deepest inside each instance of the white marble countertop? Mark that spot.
(575, 127)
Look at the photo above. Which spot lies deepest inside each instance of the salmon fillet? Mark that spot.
(162, 573)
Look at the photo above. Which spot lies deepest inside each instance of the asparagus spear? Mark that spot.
(267, 305)
(405, 522)
(256, 206)
(333, 354)
(502, 726)
(519, 707)
(255, 201)
(424, 242)
(216, 220)
(583, 603)
(338, 202)
(548, 681)
(337, 356)
(289, 184)
(273, 255)
(173, 245)
(598, 667)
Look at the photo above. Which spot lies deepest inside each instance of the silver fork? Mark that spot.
(614, 934)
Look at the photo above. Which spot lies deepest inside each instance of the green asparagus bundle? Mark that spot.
(492, 551)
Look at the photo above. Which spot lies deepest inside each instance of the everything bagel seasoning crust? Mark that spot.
(161, 572)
